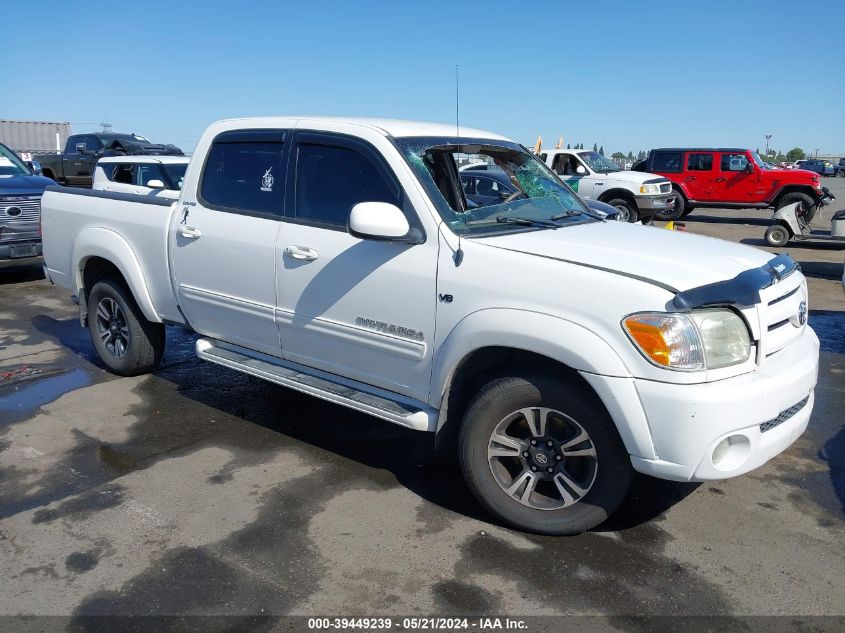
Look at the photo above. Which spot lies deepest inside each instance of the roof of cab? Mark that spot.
(397, 128)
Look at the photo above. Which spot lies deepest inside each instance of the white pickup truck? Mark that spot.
(636, 195)
(557, 351)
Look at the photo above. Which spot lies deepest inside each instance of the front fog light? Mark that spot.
(725, 337)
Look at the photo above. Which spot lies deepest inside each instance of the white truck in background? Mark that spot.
(143, 175)
(636, 195)
(339, 257)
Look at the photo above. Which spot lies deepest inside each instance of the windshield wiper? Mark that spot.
(515, 219)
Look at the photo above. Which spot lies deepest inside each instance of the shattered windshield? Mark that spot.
(598, 163)
(521, 192)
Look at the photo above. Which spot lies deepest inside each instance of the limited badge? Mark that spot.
(267, 181)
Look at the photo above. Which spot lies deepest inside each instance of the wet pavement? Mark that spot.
(198, 490)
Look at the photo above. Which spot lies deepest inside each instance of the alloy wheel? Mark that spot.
(112, 328)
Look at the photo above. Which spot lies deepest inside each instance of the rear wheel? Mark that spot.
(777, 235)
(543, 455)
(127, 343)
(807, 206)
(627, 210)
(676, 212)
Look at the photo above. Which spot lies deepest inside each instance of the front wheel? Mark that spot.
(676, 212)
(807, 206)
(627, 212)
(127, 343)
(543, 455)
(776, 235)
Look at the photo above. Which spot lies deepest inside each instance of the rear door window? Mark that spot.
(699, 162)
(243, 172)
(667, 162)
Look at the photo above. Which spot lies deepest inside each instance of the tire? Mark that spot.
(777, 235)
(678, 211)
(687, 210)
(127, 343)
(627, 210)
(807, 211)
(603, 478)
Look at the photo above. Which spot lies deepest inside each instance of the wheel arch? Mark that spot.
(101, 253)
(797, 188)
(484, 345)
(618, 192)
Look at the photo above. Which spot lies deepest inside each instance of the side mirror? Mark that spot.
(80, 148)
(580, 170)
(749, 168)
(35, 166)
(155, 184)
(379, 221)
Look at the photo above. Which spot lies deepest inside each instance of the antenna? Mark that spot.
(457, 103)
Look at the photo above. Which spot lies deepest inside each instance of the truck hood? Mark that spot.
(23, 185)
(632, 177)
(678, 261)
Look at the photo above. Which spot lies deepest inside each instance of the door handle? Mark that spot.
(302, 253)
(721, 179)
(190, 232)
(689, 178)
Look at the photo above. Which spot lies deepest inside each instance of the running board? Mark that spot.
(377, 402)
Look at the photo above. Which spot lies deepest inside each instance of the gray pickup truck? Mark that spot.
(75, 167)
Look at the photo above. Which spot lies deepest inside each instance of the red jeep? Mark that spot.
(730, 178)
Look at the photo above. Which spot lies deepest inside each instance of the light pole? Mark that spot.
(768, 136)
(817, 153)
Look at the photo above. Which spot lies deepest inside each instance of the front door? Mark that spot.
(357, 308)
(566, 167)
(734, 182)
(224, 243)
(79, 166)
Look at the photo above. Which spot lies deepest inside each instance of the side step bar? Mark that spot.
(377, 402)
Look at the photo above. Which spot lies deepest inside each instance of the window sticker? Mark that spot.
(267, 181)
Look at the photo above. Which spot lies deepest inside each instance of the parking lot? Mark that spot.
(199, 490)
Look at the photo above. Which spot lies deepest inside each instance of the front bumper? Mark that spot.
(758, 413)
(649, 205)
(19, 253)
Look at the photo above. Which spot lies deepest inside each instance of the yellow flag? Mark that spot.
(559, 143)
(538, 145)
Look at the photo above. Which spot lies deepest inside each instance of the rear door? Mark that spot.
(733, 182)
(223, 248)
(699, 176)
(358, 308)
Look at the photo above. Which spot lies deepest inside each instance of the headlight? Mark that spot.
(649, 189)
(705, 339)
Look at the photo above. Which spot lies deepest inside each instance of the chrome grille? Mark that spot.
(780, 308)
(20, 210)
(783, 416)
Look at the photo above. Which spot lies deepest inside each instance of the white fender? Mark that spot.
(564, 341)
(105, 243)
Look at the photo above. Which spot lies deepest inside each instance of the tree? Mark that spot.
(796, 153)
(595, 147)
(617, 156)
(630, 155)
(601, 150)
(567, 146)
(641, 155)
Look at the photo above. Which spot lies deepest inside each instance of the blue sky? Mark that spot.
(626, 75)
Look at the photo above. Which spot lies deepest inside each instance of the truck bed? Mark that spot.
(76, 221)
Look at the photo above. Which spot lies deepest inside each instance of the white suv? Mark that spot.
(142, 175)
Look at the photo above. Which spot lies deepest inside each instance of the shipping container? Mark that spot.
(34, 136)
